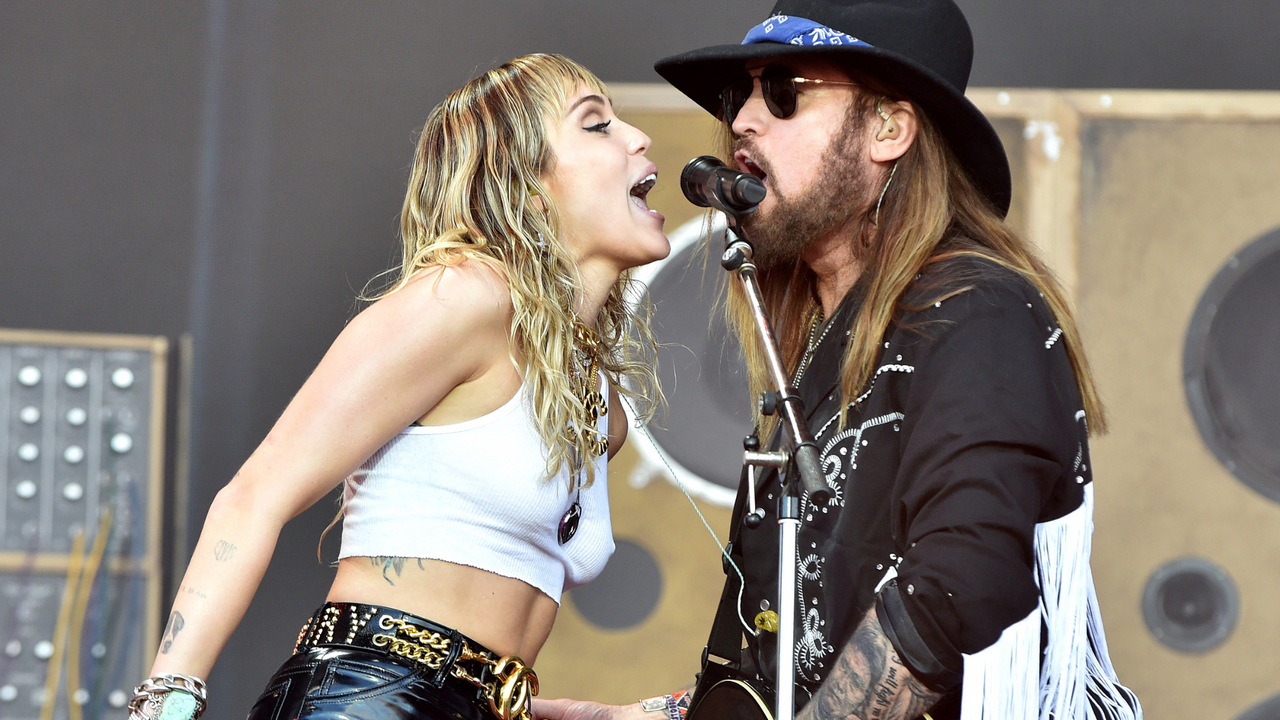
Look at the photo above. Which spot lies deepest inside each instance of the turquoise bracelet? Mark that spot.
(168, 697)
(177, 705)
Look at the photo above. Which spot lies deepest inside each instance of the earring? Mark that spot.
(889, 131)
(892, 172)
(537, 197)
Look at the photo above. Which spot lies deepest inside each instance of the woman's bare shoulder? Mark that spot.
(476, 287)
(470, 295)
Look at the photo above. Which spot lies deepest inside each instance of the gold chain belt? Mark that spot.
(509, 690)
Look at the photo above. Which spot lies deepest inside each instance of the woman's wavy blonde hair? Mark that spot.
(476, 193)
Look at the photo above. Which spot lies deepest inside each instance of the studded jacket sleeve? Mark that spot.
(992, 442)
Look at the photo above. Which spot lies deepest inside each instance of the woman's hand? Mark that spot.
(565, 709)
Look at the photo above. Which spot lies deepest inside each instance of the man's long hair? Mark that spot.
(932, 212)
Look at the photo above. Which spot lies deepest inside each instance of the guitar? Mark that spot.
(732, 699)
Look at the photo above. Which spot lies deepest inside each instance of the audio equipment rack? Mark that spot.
(81, 496)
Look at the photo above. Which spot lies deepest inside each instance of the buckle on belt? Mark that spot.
(512, 688)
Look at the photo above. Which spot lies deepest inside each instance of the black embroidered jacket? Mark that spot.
(971, 432)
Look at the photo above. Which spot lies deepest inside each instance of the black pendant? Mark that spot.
(569, 523)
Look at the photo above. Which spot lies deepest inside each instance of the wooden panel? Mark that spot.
(1165, 202)
(1044, 163)
(1136, 199)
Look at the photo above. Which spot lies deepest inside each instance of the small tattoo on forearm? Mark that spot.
(392, 563)
(223, 550)
(176, 623)
(186, 589)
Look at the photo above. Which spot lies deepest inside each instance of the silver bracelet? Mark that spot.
(654, 704)
(169, 697)
(666, 704)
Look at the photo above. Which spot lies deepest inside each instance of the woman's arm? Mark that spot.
(392, 363)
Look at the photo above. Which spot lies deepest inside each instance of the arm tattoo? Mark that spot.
(392, 563)
(171, 631)
(192, 591)
(223, 550)
(869, 682)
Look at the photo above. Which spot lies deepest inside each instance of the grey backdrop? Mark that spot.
(234, 169)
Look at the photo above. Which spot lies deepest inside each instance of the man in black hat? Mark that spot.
(942, 377)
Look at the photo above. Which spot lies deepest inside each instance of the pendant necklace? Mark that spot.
(569, 523)
(584, 375)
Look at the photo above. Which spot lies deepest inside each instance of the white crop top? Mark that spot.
(472, 493)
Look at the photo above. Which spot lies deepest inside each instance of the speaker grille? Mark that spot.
(1190, 605)
(626, 593)
(1268, 709)
(1229, 365)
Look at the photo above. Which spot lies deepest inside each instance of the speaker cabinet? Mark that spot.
(1176, 192)
(1159, 212)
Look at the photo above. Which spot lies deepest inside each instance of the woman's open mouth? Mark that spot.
(640, 191)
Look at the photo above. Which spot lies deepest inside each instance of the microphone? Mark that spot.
(707, 182)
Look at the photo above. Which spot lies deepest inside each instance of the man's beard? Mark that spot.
(780, 236)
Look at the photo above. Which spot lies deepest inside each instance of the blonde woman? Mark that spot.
(470, 411)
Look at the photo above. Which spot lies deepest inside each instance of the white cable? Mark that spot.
(742, 581)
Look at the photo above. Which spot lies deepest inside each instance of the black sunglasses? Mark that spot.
(777, 86)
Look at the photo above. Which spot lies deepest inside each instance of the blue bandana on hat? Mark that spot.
(924, 55)
(792, 30)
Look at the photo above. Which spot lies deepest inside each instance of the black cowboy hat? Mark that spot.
(924, 48)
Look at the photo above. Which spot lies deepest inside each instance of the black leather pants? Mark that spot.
(342, 683)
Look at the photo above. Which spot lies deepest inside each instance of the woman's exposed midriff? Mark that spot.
(509, 616)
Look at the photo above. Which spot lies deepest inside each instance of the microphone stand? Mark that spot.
(706, 182)
(798, 463)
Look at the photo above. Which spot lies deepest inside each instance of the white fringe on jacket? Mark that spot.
(1007, 681)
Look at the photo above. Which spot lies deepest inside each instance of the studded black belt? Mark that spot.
(442, 655)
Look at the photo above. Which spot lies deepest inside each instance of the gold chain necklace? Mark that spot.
(584, 369)
(584, 377)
